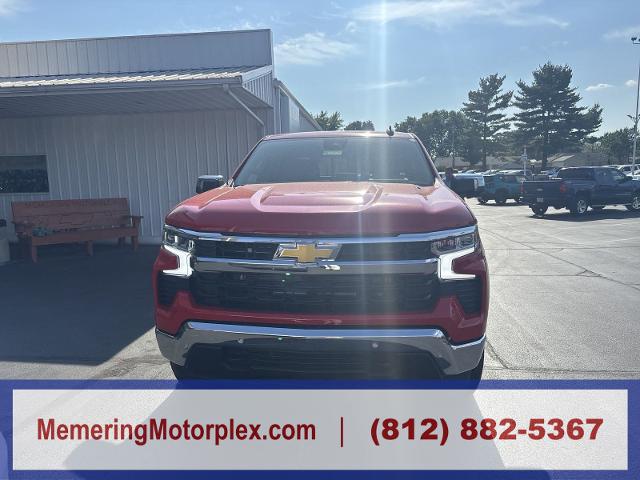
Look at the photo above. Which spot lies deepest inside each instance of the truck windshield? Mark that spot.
(379, 159)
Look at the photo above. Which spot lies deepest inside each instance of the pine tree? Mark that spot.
(549, 117)
(485, 109)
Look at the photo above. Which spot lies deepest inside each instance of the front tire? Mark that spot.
(482, 200)
(501, 198)
(635, 203)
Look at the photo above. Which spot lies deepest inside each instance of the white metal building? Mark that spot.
(138, 117)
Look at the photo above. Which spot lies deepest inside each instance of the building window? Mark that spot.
(23, 174)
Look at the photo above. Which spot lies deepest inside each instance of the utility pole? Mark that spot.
(453, 146)
(525, 159)
(635, 41)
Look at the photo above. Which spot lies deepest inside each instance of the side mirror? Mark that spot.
(209, 182)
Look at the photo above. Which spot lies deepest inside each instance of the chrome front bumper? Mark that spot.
(451, 359)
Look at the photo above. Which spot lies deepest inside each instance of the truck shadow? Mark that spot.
(590, 216)
(491, 203)
(73, 309)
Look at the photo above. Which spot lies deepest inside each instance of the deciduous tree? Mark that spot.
(618, 144)
(360, 125)
(444, 133)
(329, 121)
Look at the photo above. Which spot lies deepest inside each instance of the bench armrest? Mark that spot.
(135, 219)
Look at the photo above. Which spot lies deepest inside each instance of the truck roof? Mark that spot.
(338, 134)
(589, 167)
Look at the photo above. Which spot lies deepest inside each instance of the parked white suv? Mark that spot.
(626, 169)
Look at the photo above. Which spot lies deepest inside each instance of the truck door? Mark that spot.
(623, 187)
(512, 185)
(604, 188)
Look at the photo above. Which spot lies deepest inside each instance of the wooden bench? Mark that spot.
(52, 222)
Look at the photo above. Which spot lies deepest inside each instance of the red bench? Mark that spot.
(51, 222)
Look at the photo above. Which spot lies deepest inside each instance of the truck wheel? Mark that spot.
(518, 199)
(539, 210)
(482, 200)
(580, 205)
(635, 203)
(597, 209)
(182, 372)
(501, 198)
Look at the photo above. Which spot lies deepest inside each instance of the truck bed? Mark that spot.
(546, 192)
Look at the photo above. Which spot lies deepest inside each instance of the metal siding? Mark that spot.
(136, 54)
(11, 68)
(152, 159)
(283, 113)
(261, 87)
(306, 125)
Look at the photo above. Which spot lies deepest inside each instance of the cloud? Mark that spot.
(626, 33)
(312, 49)
(599, 86)
(9, 7)
(247, 25)
(447, 13)
(631, 83)
(351, 27)
(393, 84)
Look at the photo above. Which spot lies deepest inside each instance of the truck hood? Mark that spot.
(324, 209)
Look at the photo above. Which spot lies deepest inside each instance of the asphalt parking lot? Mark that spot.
(565, 303)
(565, 293)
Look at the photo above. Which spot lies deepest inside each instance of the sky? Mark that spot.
(384, 60)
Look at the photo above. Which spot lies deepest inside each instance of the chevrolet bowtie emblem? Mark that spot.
(307, 252)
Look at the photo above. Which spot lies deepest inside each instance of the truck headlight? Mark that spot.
(172, 238)
(451, 248)
(181, 246)
(455, 243)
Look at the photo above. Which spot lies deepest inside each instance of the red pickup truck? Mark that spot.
(326, 254)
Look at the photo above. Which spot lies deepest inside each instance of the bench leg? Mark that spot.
(34, 253)
(90, 248)
(24, 247)
(134, 242)
(121, 241)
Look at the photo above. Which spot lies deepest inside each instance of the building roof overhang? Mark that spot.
(134, 92)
